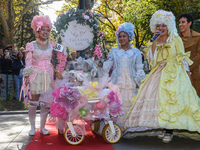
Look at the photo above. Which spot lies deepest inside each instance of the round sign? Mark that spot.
(77, 36)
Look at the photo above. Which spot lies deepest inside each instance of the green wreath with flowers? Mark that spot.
(83, 17)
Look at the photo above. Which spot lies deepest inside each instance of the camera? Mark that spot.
(7, 54)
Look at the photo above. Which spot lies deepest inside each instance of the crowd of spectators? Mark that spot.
(12, 62)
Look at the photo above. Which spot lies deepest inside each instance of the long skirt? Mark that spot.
(145, 110)
(127, 87)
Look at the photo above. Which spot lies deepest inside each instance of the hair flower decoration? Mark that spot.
(34, 18)
(116, 32)
(160, 14)
(39, 25)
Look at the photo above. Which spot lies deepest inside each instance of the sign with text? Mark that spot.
(58, 47)
(77, 36)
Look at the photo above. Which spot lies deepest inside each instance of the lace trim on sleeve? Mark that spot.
(139, 76)
(152, 57)
(27, 71)
(185, 65)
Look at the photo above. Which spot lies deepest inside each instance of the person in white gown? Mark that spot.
(127, 66)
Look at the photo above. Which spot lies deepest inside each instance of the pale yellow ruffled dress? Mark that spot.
(166, 98)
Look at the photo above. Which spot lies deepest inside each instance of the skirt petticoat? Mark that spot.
(127, 87)
(145, 110)
(41, 83)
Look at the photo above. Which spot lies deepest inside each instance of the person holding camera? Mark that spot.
(6, 73)
(18, 66)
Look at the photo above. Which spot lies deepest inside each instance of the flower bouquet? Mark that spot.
(65, 99)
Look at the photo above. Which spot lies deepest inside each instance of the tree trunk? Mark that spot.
(8, 20)
(89, 4)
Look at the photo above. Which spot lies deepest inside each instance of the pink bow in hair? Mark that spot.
(39, 25)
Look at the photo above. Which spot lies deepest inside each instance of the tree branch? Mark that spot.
(105, 23)
(4, 23)
(28, 7)
(112, 9)
(108, 20)
(142, 39)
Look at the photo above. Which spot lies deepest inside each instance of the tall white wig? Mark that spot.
(128, 28)
(167, 18)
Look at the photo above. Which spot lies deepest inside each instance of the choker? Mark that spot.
(41, 42)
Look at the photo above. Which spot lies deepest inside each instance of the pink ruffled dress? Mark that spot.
(39, 67)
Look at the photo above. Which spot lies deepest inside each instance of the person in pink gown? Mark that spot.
(39, 71)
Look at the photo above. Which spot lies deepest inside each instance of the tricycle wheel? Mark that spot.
(78, 138)
(108, 136)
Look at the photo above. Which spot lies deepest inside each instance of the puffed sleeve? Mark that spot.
(110, 61)
(29, 69)
(152, 58)
(140, 74)
(181, 55)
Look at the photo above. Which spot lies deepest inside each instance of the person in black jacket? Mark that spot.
(1, 55)
(6, 73)
(18, 67)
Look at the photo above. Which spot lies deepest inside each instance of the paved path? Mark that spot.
(14, 128)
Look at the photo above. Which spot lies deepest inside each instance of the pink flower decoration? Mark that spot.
(116, 32)
(39, 25)
(97, 51)
(62, 60)
(58, 111)
(34, 18)
(115, 108)
(68, 98)
(59, 92)
(86, 17)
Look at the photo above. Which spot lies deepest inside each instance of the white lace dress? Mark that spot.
(127, 73)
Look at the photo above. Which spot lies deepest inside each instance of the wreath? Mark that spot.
(83, 17)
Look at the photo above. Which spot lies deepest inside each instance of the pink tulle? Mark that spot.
(115, 108)
(115, 88)
(70, 105)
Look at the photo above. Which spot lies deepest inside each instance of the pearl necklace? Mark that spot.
(41, 42)
(126, 48)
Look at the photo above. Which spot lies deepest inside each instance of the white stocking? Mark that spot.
(43, 116)
(32, 113)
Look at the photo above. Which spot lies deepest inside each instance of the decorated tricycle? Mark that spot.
(91, 103)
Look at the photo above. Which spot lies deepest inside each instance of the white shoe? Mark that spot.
(32, 132)
(161, 136)
(167, 138)
(44, 131)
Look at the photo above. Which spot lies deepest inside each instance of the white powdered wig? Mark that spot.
(167, 18)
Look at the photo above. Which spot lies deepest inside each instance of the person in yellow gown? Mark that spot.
(166, 98)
